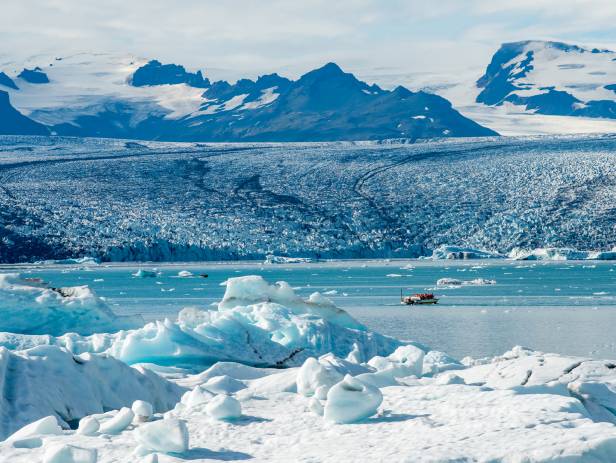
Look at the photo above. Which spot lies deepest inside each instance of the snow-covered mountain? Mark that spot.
(552, 78)
(122, 96)
(13, 122)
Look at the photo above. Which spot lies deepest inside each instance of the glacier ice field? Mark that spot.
(137, 201)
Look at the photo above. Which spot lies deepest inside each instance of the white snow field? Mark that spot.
(400, 402)
(116, 200)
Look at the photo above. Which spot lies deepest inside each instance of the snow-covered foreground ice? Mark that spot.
(523, 406)
(348, 394)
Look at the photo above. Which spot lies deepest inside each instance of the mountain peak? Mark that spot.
(553, 78)
(155, 73)
(329, 70)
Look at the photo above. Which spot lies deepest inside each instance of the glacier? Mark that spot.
(64, 198)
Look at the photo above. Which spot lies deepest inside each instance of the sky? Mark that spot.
(380, 40)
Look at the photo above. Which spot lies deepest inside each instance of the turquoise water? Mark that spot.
(564, 307)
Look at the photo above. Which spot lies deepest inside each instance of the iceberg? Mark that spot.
(141, 273)
(32, 306)
(273, 259)
(47, 381)
(454, 282)
(256, 323)
(560, 254)
(456, 252)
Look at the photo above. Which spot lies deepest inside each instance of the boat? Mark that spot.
(418, 298)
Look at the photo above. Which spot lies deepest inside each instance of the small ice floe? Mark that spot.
(407, 267)
(141, 273)
(98, 280)
(394, 275)
(453, 282)
(272, 259)
(600, 293)
(185, 274)
(170, 290)
(331, 292)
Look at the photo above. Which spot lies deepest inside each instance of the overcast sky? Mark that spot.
(229, 38)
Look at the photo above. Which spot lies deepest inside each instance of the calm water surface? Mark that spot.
(564, 307)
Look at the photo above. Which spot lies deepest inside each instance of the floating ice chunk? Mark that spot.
(141, 273)
(455, 252)
(165, 436)
(44, 426)
(31, 306)
(224, 407)
(449, 282)
(184, 274)
(197, 396)
(88, 426)
(224, 385)
(456, 282)
(64, 453)
(312, 375)
(479, 282)
(118, 423)
(272, 259)
(143, 410)
(352, 400)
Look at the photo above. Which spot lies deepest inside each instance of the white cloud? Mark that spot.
(253, 37)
